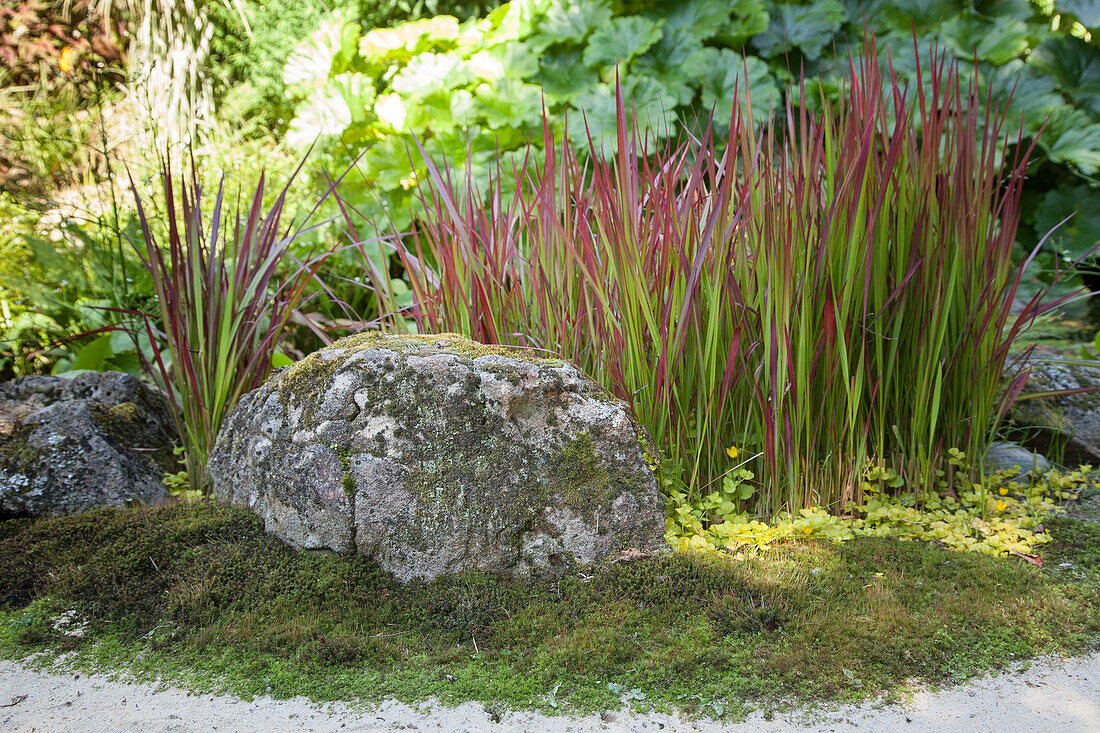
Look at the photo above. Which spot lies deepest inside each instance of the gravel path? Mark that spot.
(1060, 696)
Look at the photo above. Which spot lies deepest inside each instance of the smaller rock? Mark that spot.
(1024, 464)
(1064, 424)
(70, 445)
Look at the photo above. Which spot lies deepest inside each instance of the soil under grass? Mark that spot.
(197, 594)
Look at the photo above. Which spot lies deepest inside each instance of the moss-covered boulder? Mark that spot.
(435, 454)
(69, 445)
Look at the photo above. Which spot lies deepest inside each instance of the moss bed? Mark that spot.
(197, 594)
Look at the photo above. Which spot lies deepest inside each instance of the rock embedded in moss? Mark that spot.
(1064, 424)
(435, 454)
(69, 445)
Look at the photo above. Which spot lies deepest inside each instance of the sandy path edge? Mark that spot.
(1052, 695)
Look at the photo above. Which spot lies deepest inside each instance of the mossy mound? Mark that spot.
(199, 593)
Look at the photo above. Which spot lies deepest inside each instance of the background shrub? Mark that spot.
(470, 89)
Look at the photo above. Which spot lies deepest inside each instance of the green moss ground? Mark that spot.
(197, 594)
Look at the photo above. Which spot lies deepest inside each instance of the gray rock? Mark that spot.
(1023, 463)
(1067, 425)
(434, 454)
(69, 445)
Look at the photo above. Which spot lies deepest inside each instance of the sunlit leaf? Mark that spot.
(509, 103)
(331, 108)
(434, 112)
(387, 163)
(391, 110)
(405, 39)
(311, 60)
(573, 20)
(509, 60)
(431, 72)
(515, 21)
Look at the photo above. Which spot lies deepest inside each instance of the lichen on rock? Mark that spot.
(435, 454)
(69, 445)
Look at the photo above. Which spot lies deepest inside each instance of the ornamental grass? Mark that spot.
(832, 291)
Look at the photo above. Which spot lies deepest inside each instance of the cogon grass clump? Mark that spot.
(832, 291)
(227, 287)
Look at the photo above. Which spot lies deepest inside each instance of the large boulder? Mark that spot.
(435, 454)
(69, 445)
(1066, 424)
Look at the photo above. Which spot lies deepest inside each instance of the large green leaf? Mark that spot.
(431, 72)
(747, 18)
(1031, 93)
(507, 60)
(1082, 231)
(905, 16)
(311, 60)
(515, 21)
(435, 112)
(664, 62)
(563, 75)
(722, 73)
(390, 161)
(620, 40)
(329, 109)
(94, 355)
(407, 39)
(646, 106)
(810, 28)
(1075, 67)
(995, 40)
(1072, 137)
(697, 19)
(573, 20)
(1018, 9)
(509, 103)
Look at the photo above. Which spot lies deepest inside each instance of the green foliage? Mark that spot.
(996, 517)
(467, 90)
(249, 61)
(679, 60)
(832, 295)
(62, 278)
(200, 594)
